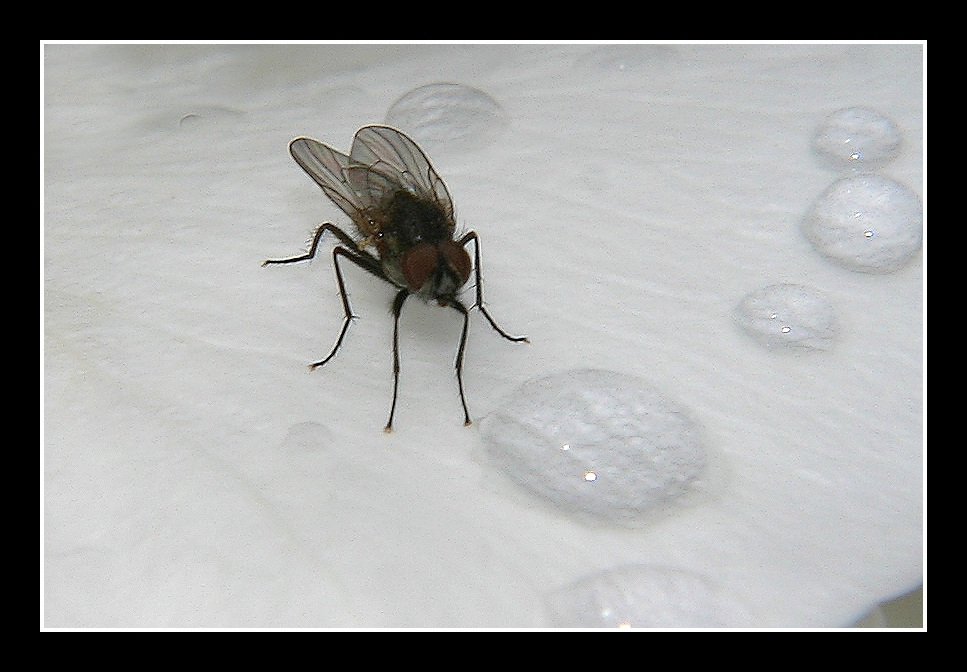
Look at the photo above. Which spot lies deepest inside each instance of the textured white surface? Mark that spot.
(197, 474)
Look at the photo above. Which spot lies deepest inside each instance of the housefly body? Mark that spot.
(404, 231)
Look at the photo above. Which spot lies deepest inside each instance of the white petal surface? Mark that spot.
(198, 474)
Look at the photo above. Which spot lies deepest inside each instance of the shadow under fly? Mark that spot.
(405, 229)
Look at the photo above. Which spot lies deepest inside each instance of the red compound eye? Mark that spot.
(418, 264)
(458, 259)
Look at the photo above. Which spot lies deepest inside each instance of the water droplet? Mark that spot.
(448, 116)
(866, 223)
(640, 596)
(307, 437)
(787, 315)
(857, 138)
(631, 451)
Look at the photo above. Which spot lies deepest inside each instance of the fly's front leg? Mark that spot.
(397, 309)
(460, 308)
(472, 235)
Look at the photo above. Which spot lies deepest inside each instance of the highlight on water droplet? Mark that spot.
(630, 451)
(642, 596)
(857, 138)
(787, 316)
(867, 223)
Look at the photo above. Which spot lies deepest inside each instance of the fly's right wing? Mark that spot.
(390, 154)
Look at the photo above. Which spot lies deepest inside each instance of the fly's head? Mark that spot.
(417, 249)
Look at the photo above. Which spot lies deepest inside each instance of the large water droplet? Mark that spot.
(866, 223)
(787, 315)
(597, 444)
(448, 116)
(643, 597)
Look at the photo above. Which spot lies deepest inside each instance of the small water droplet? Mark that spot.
(806, 317)
(857, 138)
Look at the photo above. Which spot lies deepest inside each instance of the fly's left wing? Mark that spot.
(356, 194)
(327, 167)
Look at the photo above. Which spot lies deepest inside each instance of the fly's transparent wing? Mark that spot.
(393, 156)
(346, 183)
(327, 167)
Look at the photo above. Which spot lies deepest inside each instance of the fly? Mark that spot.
(405, 231)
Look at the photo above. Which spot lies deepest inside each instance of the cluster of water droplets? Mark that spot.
(607, 447)
(863, 221)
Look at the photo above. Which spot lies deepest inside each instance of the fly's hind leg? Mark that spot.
(343, 237)
(365, 262)
(351, 251)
